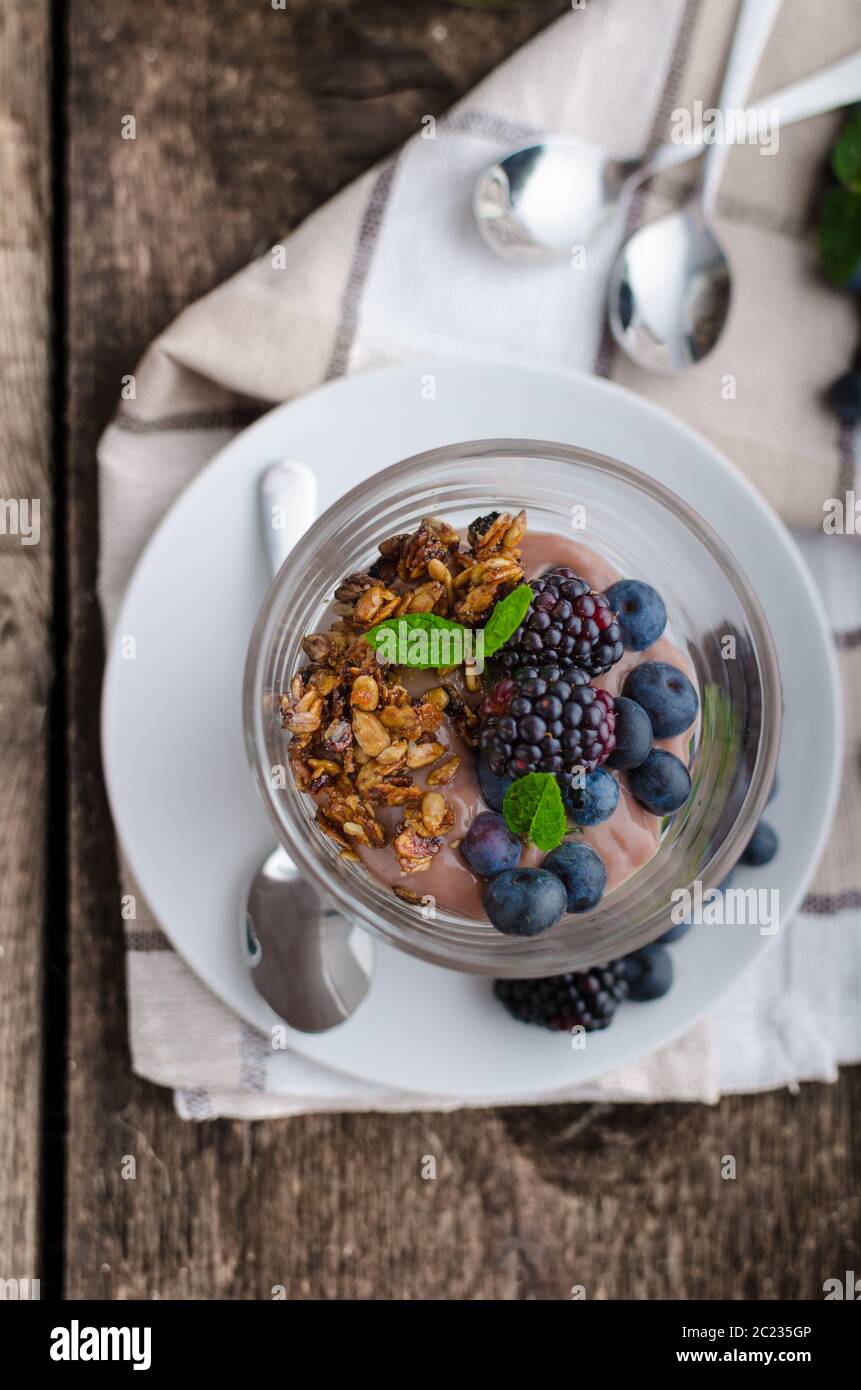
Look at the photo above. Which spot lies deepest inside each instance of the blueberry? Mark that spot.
(640, 610)
(489, 846)
(650, 973)
(762, 846)
(524, 902)
(666, 695)
(595, 801)
(492, 788)
(844, 397)
(662, 783)
(582, 872)
(680, 929)
(676, 932)
(633, 735)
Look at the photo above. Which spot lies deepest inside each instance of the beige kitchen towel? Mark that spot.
(392, 268)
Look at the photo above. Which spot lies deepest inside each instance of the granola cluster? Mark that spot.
(430, 571)
(357, 734)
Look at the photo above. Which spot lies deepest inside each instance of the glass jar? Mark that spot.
(643, 530)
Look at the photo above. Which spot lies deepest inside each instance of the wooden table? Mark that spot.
(627, 1201)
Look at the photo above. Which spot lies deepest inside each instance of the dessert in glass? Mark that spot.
(504, 698)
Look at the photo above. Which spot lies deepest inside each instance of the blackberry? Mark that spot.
(587, 998)
(384, 568)
(566, 621)
(546, 718)
(479, 528)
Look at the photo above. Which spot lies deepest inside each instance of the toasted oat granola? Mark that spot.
(357, 735)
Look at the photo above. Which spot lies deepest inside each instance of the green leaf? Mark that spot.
(422, 641)
(846, 155)
(533, 806)
(506, 618)
(840, 234)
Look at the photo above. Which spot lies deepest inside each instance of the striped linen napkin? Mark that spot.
(391, 269)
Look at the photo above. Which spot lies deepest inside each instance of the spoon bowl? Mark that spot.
(669, 291)
(540, 202)
(309, 963)
(669, 294)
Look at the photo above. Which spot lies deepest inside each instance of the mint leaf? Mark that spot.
(846, 155)
(840, 234)
(422, 641)
(533, 806)
(506, 618)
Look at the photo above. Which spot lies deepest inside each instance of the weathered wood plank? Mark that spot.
(315, 93)
(244, 125)
(25, 604)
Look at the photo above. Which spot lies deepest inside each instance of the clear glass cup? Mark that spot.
(642, 529)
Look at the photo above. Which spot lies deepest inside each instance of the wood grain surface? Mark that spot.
(25, 610)
(246, 119)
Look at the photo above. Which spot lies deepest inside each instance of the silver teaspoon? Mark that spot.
(670, 286)
(311, 965)
(543, 200)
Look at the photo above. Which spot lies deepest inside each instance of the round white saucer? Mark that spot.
(184, 805)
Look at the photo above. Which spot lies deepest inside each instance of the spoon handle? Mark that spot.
(826, 90)
(752, 28)
(288, 505)
(838, 84)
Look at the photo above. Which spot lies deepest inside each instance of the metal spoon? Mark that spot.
(541, 201)
(669, 292)
(309, 963)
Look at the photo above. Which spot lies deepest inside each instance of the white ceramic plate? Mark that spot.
(190, 820)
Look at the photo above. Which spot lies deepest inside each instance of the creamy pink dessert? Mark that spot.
(388, 750)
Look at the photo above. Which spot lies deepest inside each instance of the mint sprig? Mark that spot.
(840, 234)
(441, 642)
(533, 807)
(839, 231)
(422, 641)
(506, 618)
(846, 155)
